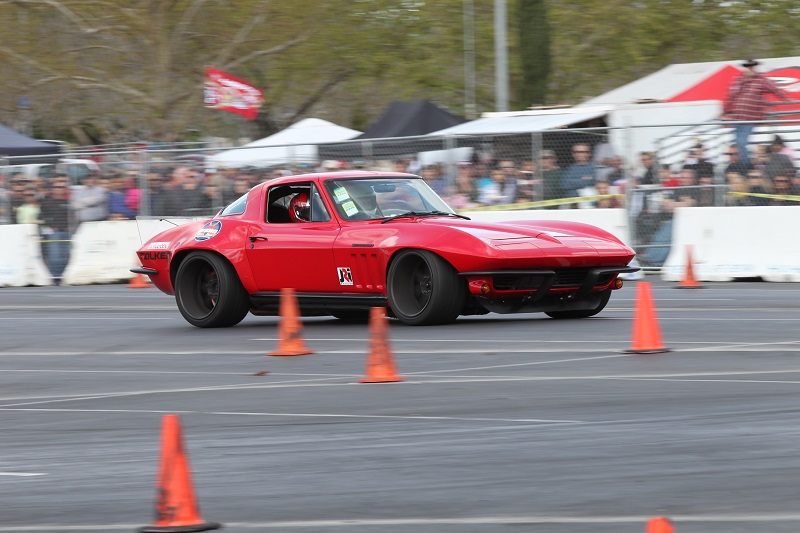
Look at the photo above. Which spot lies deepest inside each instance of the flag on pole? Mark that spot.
(229, 93)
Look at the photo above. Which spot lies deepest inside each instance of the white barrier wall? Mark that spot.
(727, 243)
(21, 261)
(102, 252)
(735, 242)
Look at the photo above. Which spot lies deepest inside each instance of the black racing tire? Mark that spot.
(424, 289)
(208, 291)
(355, 315)
(582, 313)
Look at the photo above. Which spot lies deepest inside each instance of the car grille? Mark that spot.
(568, 277)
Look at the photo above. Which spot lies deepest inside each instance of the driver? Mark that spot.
(300, 208)
(364, 196)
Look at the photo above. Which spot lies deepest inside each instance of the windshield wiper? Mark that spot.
(411, 214)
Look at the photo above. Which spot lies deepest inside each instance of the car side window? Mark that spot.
(280, 197)
(318, 211)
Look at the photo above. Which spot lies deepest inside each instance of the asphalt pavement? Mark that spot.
(503, 423)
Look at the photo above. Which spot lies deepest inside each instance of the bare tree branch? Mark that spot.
(188, 16)
(241, 36)
(274, 50)
(319, 93)
(64, 10)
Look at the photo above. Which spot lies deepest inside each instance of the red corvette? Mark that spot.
(349, 241)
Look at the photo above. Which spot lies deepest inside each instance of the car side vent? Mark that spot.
(366, 271)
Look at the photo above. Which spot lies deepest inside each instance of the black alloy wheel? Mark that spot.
(208, 291)
(424, 289)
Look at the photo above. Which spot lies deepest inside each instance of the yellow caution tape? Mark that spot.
(790, 197)
(540, 203)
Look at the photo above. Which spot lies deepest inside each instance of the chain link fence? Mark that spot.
(648, 171)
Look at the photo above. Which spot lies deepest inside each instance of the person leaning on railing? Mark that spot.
(55, 227)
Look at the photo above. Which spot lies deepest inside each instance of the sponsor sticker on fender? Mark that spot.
(158, 245)
(208, 231)
(345, 276)
(155, 256)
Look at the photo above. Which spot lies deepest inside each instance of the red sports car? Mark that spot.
(349, 241)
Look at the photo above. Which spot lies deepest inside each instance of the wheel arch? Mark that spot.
(181, 256)
(397, 252)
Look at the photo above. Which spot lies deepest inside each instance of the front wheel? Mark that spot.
(582, 313)
(209, 293)
(424, 289)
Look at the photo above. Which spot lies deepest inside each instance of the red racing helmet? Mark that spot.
(300, 208)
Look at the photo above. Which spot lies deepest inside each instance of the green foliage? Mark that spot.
(109, 71)
(534, 52)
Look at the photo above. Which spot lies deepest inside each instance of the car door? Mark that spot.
(287, 254)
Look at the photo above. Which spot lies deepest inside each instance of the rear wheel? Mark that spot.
(582, 313)
(208, 291)
(424, 289)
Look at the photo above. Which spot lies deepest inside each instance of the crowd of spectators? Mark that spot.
(591, 176)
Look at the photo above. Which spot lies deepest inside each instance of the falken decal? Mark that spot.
(345, 276)
(208, 231)
(155, 256)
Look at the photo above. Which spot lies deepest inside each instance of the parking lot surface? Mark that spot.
(503, 423)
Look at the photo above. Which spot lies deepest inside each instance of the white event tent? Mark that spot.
(295, 144)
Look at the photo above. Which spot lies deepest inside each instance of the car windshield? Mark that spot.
(237, 207)
(385, 197)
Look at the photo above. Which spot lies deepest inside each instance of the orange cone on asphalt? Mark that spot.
(646, 336)
(380, 361)
(176, 507)
(659, 525)
(290, 328)
(689, 281)
(138, 282)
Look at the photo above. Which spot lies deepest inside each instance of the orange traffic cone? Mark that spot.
(646, 332)
(380, 362)
(659, 525)
(176, 508)
(290, 329)
(689, 281)
(138, 282)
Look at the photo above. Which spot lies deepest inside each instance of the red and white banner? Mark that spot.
(229, 93)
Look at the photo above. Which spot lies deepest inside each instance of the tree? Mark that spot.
(138, 66)
(534, 52)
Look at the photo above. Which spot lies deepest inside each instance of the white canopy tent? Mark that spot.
(295, 144)
(523, 121)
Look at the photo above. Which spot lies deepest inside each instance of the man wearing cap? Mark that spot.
(747, 100)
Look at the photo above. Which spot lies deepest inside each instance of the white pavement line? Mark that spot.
(492, 348)
(529, 363)
(51, 307)
(637, 376)
(491, 342)
(728, 346)
(422, 521)
(318, 383)
(306, 415)
(165, 372)
(82, 318)
(22, 474)
(243, 386)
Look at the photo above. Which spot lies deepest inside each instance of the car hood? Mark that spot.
(551, 238)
